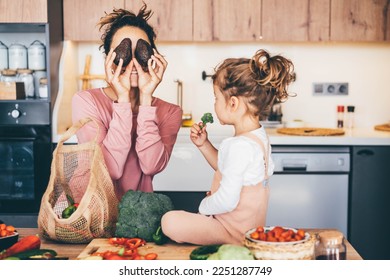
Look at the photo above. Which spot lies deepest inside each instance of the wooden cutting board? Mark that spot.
(382, 127)
(168, 251)
(311, 131)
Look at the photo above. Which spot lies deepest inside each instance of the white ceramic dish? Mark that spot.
(269, 228)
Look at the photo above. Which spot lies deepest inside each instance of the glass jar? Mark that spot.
(43, 92)
(8, 76)
(25, 76)
(330, 246)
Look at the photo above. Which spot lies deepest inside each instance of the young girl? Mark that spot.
(245, 90)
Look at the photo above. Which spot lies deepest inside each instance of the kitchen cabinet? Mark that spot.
(171, 20)
(227, 20)
(295, 20)
(369, 202)
(81, 18)
(355, 20)
(21, 11)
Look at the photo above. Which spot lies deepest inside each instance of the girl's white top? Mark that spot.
(241, 163)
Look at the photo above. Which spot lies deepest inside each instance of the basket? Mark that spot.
(78, 175)
(282, 250)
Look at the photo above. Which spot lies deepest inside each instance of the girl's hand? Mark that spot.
(198, 135)
(119, 82)
(148, 81)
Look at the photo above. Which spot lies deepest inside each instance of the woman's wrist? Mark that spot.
(145, 100)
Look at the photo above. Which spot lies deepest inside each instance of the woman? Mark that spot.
(136, 130)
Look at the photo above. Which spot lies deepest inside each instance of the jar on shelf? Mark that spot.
(26, 76)
(8, 76)
(43, 91)
(3, 56)
(17, 56)
(37, 56)
(340, 116)
(330, 246)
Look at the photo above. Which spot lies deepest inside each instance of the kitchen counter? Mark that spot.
(169, 251)
(353, 137)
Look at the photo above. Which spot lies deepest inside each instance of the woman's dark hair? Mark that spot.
(119, 18)
(262, 80)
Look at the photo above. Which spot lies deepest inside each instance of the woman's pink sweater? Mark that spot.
(135, 146)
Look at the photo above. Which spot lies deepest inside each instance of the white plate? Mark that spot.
(266, 229)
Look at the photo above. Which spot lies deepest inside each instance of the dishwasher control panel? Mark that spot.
(311, 160)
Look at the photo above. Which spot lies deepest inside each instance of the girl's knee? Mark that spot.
(169, 224)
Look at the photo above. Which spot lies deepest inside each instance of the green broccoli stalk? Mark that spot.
(206, 118)
(140, 214)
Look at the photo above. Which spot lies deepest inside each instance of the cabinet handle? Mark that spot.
(365, 153)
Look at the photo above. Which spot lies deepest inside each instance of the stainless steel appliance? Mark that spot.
(309, 188)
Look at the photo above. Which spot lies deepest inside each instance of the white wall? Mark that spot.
(366, 67)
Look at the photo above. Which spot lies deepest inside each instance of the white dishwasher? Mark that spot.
(309, 188)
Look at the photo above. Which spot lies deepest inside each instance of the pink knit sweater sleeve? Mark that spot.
(154, 143)
(115, 138)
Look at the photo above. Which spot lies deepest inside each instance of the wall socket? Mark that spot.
(330, 89)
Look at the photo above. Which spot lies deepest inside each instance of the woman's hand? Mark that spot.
(119, 82)
(148, 81)
(198, 135)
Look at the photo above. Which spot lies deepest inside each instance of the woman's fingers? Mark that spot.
(108, 65)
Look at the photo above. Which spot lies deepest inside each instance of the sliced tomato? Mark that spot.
(151, 256)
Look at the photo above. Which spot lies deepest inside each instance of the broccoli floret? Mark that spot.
(140, 214)
(206, 118)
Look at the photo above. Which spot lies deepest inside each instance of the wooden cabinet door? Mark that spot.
(356, 20)
(81, 18)
(20, 11)
(295, 20)
(171, 19)
(227, 20)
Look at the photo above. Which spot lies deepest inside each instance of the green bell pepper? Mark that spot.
(159, 237)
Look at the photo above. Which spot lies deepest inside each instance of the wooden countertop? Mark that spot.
(169, 251)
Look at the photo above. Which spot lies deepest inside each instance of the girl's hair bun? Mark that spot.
(274, 72)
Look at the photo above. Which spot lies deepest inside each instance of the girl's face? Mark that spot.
(220, 106)
(134, 33)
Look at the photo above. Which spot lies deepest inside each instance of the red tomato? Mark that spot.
(150, 256)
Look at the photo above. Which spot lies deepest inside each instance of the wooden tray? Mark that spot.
(382, 127)
(311, 131)
(168, 251)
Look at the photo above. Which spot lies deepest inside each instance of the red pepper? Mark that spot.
(117, 240)
(134, 243)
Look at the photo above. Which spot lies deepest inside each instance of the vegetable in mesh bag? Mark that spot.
(140, 214)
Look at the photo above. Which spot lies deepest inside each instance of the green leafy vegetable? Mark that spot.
(232, 252)
(206, 118)
(140, 214)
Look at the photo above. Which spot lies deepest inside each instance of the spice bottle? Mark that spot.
(43, 92)
(350, 116)
(330, 246)
(340, 116)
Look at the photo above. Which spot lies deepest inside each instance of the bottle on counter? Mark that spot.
(330, 246)
(350, 117)
(340, 116)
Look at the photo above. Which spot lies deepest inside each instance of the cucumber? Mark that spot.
(31, 253)
(203, 252)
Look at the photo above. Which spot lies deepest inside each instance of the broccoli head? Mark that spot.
(140, 214)
(206, 118)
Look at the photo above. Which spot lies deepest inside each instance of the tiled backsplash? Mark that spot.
(365, 67)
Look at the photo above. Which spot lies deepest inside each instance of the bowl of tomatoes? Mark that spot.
(280, 243)
(8, 236)
(277, 235)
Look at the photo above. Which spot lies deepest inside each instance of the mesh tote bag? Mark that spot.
(79, 178)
